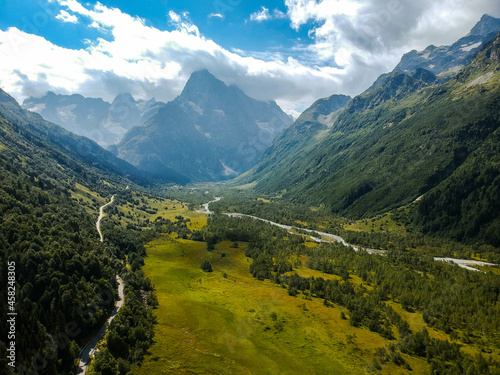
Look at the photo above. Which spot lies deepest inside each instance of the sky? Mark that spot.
(290, 51)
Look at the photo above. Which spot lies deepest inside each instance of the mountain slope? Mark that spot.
(52, 184)
(298, 139)
(391, 144)
(209, 132)
(80, 148)
(94, 118)
(451, 58)
(465, 206)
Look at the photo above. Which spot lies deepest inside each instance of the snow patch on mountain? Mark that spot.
(468, 48)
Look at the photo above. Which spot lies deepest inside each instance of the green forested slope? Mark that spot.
(34, 127)
(466, 206)
(392, 144)
(64, 277)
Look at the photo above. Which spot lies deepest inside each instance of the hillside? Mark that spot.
(391, 144)
(51, 186)
(81, 148)
(465, 206)
(210, 132)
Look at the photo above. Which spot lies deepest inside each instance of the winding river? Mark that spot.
(330, 238)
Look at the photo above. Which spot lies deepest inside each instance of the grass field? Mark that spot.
(381, 223)
(227, 322)
(136, 213)
(166, 208)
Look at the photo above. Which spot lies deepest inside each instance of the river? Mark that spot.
(330, 238)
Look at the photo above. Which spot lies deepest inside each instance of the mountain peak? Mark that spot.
(445, 61)
(202, 82)
(6, 98)
(486, 25)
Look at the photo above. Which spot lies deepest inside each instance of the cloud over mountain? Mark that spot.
(349, 44)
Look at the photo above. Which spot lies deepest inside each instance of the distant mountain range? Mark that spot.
(103, 122)
(210, 132)
(412, 135)
(28, 134)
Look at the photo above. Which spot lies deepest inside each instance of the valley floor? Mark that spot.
(227, 322)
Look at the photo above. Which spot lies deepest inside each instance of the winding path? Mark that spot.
(330, 238)
(89, 349)
(101, 215)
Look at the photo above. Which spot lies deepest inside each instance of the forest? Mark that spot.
(65, 278)
(458, 302)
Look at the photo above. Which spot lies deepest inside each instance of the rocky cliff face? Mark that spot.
(447, 60)
(210, 132)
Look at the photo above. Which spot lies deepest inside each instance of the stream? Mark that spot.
(330, 238)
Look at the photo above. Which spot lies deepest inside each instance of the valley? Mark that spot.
(322, 237)
(212, 322)
(216, 234)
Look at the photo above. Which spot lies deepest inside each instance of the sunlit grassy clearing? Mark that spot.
(416, 322)
(86, 196)
(211, 324)
(166, 208)
(380, 223)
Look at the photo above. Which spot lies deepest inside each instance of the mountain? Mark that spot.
(296, 141)
(395, 143)
(94, 118)
(59, 140)
(449, 59)
(466, 205)
(446, 61)
(209, 132)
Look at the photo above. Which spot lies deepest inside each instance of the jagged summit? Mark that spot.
(445, 61)
(103, 122)
(202, 83)
(123, 98)
(209, 132)
(486, 25)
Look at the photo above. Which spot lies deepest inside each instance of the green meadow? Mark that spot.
(227, 322)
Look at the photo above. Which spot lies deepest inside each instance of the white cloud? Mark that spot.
(278, 14)
(367, 38)
(147, 62)
(174, 16)
(265, 15)
(182, 23)
(262, 15)
(351, 44)
(216, 15)
(66, 17)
